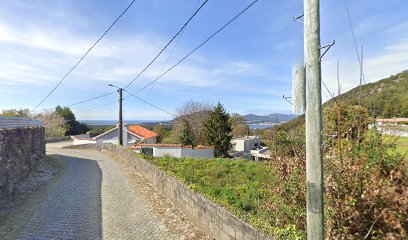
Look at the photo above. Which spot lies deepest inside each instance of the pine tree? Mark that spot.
(186, 134)
(218, 130)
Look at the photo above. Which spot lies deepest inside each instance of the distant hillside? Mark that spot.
(275, 117)
(386, 98)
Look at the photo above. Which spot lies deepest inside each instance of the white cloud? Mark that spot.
(44, 39)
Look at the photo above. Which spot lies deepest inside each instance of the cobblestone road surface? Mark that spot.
(91, 199)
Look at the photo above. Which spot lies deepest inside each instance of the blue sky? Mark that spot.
(247, 67)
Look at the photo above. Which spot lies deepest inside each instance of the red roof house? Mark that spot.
(132, 134)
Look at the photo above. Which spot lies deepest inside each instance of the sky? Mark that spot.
(247, 66)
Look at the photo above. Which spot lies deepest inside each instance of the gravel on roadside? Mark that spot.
(175, 220)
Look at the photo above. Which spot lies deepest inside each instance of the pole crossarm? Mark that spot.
(327, 48)
(297, 19)
(287, 99)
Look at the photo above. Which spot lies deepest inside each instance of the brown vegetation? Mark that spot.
(366, 190)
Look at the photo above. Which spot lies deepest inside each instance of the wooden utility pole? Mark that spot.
(314, 161)
(120, 127)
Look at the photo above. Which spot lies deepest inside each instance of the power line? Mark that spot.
(171, 52)
(171, 40)
(327, 89)
(86, 53)
(354, 37)
(94, 98)
(179, 33)
(99, 106)
(199, 46)
(150, 103)
(185, 57)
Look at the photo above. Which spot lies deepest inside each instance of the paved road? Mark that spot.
(91, 199)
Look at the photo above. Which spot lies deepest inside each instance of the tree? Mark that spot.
(54, 124)
(186, 136)
(161, 131)
(74, 127)
(238, 124)
(195, 113)
(25, 113)
(217, 131)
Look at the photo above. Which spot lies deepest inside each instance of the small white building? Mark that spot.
(245, 144)
(261, 153)
(132, 134)
(175, 150)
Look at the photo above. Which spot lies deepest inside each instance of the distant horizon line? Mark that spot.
(159, 120)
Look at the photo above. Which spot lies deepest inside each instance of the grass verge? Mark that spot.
(396, 145)
(242, 187)
(56, 163)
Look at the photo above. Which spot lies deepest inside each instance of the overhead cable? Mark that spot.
(151, 104)
(199, 46)
(168, 43)
(83, 56)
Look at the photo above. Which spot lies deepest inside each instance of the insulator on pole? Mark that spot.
(299, 89)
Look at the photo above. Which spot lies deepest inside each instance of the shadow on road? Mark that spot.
(68, 207)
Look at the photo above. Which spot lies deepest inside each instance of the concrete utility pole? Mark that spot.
(120, 124)
(314, 161)
(120, 127)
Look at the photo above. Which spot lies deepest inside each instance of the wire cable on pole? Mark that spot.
(179, 33)
(86, 53)
(171, 53)
(171, 40)
(150, 103)
(199, 46)
(327, 89)
(99, 106)
(354, 36)
(94, 98)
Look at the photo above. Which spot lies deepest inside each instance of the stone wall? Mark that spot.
(21, 150)
(213, 219)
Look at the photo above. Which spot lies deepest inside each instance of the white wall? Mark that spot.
(246, 145)
(132, 139)
(112, 137)
(238, 145)
(197, 153)
(180, 152)
(162, 151)
(82, 141)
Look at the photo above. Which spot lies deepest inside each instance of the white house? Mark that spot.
(132, 134)
(175, 150)
(392, 126)
(245, 144)
(261, 153)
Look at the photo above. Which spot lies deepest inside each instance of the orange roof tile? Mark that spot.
(141, 131)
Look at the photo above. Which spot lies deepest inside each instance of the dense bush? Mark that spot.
(366, 189)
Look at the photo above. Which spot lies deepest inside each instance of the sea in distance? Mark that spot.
(114, 122)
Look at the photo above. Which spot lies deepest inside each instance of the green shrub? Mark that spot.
(243, 187)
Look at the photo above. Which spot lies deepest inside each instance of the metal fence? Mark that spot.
(16, 122)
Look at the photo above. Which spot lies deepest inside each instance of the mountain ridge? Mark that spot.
(273, 117)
